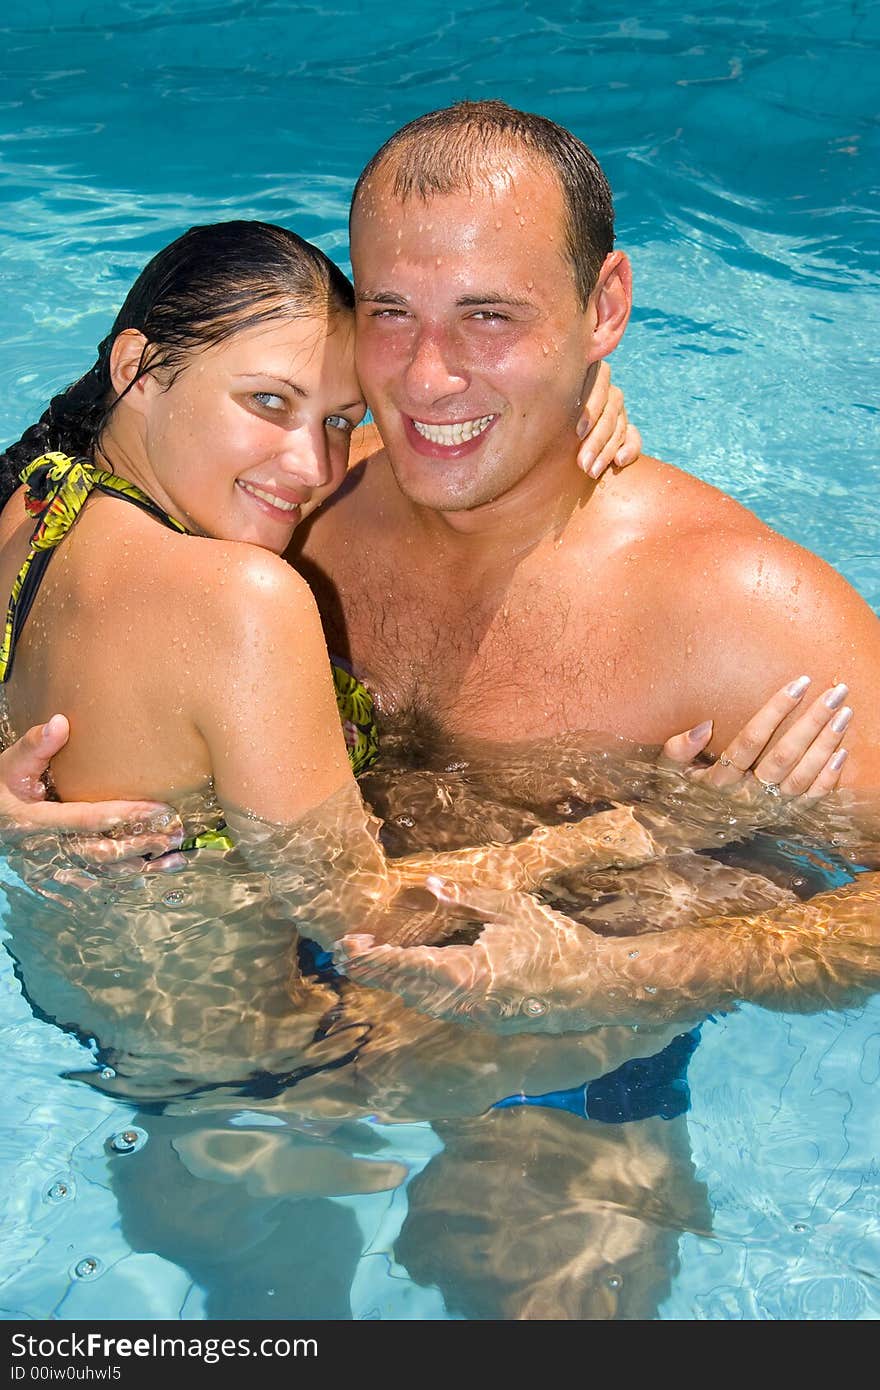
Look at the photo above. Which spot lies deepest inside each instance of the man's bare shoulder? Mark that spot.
(655, 502)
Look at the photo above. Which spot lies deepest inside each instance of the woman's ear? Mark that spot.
(126, 361)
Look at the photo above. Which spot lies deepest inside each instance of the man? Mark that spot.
(473, 575)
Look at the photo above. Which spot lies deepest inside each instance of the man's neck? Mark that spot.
(541, 506)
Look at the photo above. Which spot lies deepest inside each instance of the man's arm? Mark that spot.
(533, 970)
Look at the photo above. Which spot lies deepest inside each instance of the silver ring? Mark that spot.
(724, 761)
(771, 788)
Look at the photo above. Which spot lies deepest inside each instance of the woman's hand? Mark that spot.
(806, 761)
(607, 434)
(100, 833)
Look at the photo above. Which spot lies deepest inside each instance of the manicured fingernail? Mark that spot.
(836, 697)
(839, 759)
(586, 461)
(797, 688)
(699, 731)
(583, 427)
(840, 721)
(597, 469)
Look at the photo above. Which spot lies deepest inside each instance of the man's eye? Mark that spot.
(339, 422)
(268, 400)
(388, 314)
(490, 315)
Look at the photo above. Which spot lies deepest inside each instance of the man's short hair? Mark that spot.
(458, 147)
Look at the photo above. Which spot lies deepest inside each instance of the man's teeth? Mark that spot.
(458, 433)
(272, 497)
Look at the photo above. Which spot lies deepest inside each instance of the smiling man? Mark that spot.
(510, 595)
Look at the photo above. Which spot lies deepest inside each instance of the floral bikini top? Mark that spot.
(57, 489)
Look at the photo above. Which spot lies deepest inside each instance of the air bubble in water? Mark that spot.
(107, 1074)
(534, 1007)
(176, 896)
(614, 1281)
(87, 1268)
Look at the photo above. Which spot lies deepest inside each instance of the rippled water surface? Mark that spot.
(741, 144)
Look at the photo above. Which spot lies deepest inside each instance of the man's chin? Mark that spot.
(442, 486)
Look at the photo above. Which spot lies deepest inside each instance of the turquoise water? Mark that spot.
(742, 149)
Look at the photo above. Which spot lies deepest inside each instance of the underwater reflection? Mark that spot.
(258, 1068)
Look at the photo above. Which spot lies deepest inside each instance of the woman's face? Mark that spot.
(254, 433)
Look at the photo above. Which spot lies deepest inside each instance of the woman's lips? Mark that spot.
(285, 508)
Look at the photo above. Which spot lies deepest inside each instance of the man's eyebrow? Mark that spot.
(470, 301)
(465, 301)
(381, 297)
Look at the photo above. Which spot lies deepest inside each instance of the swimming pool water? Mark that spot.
(742, 148)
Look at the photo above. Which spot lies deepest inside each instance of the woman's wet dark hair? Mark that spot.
(209, 284)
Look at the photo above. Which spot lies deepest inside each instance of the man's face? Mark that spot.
(472, 347)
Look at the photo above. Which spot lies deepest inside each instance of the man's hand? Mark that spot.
(607, 434)
(99, 833)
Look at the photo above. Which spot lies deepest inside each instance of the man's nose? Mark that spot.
(435, 369)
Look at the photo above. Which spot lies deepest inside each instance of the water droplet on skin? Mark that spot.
(87, 1268)
(498, 226)
(633, 954)
(128, 1141)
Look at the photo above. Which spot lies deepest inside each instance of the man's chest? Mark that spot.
(532, 659)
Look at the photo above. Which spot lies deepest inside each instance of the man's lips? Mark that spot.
(449, 439)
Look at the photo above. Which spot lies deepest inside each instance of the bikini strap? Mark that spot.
(58, 488)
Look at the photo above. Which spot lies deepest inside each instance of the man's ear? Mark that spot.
(126, 360)
(610, 304)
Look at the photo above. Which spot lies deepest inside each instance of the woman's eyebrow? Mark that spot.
(272, 376)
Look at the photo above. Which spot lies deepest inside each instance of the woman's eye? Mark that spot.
(339, 422)
(268, 400)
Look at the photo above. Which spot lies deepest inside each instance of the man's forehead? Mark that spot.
(528, 187)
